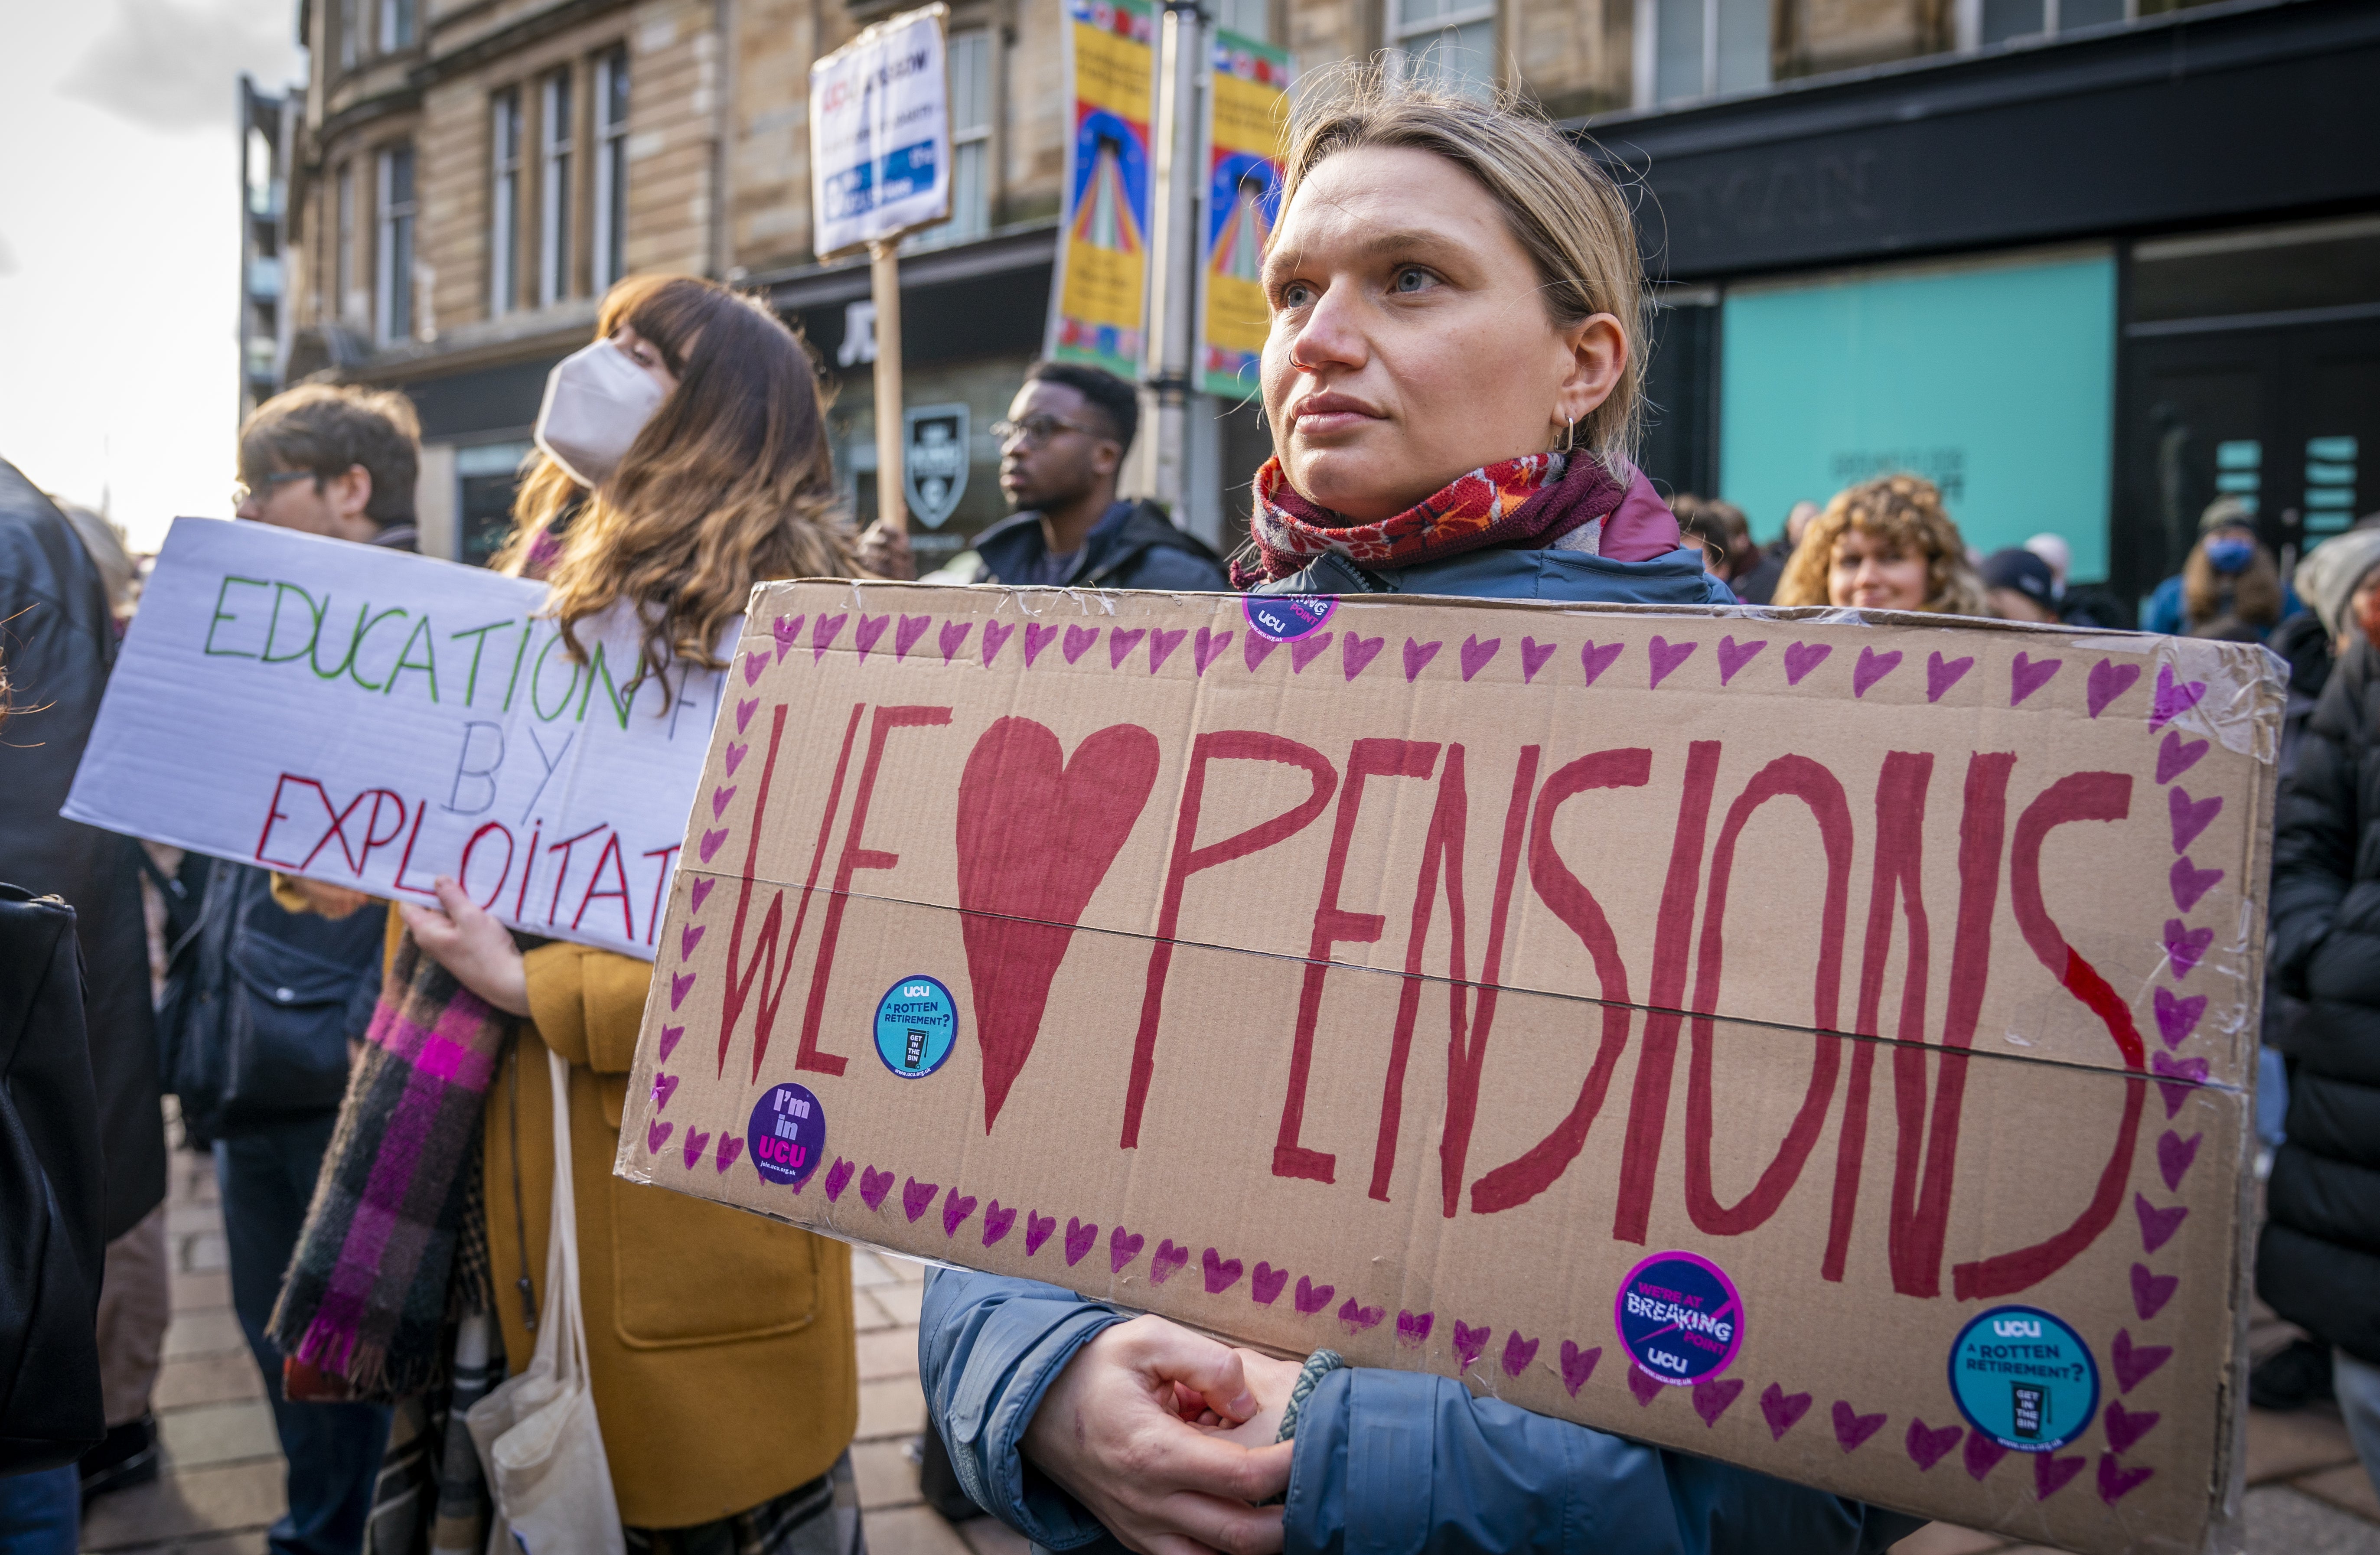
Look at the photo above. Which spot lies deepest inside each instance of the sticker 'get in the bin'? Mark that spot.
(1679, 1316)
(2024, 1379)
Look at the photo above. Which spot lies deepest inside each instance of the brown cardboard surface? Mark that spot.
(1674, 1010)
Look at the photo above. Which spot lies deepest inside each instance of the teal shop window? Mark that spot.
(1994, 379)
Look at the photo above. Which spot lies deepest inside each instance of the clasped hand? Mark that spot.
(468, 941)
(1167, 1439)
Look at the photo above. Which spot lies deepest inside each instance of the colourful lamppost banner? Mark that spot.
(1098, 302)
(1251, 111)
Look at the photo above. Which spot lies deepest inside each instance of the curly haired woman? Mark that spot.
(1883, 544)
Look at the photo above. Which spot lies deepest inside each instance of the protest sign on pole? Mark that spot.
(880, 167)
(1818, 1041)
(377, 720)
(1250, 104)
(1098, 297)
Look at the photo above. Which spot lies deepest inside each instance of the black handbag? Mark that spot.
(259, 1005)
(51, 1191)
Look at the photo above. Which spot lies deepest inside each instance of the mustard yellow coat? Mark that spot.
(720, 1343)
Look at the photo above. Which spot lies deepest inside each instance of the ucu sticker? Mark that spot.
(2017, 1327)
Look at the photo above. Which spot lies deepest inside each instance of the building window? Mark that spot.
(611, 167)
(554, 191)
(1451, 42)
(1687, 48)
(395, 25)
(1251, 19)
(342, 243)
(1983, 22)
(351, 32)
(503, 203)
(970, 74)
(393, 304)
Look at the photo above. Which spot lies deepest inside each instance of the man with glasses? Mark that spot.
(1067, 434)
(341, 463)
(333, 461)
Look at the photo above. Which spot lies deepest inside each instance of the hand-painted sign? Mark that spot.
(1685, 1023)
(881, 133)
(377, 720)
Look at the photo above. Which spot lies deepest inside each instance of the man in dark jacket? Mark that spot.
(2319, 1261)
(61, 645)
(1067, 434)
(341, 463)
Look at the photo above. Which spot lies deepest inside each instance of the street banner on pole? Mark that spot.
(881, 133)
(1099, 299)
(1250, 103)
(377, 720)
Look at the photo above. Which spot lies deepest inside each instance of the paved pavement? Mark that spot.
(223, 1481)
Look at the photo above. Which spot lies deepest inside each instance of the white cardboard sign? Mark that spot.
(881, 133)
(376, 720)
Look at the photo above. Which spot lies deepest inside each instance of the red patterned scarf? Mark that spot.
(1529, 503)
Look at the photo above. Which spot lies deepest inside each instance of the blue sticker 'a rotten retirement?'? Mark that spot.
(2024, 1379)
(917, 1026)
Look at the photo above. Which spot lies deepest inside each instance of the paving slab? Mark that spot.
(912, 1530)
(886, 1477)
(890, 1352)
(2284, 1521)
(2349, 1488)
(208, 1331)
(891, 1408)
(2283, 1446)
(217, 1433)
(206, 1379)
(233, 1498)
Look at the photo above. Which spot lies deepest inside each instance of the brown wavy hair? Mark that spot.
(1902, 511)
(2251, 596)
(730, 483)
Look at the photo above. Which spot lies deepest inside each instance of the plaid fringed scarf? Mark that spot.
(366, 1296)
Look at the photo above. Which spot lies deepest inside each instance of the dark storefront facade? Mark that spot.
(2084, 284)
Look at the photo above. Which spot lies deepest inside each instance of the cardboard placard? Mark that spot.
(376, 720)
(1816, 1043)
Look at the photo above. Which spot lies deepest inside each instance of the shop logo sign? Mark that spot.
(934, 460)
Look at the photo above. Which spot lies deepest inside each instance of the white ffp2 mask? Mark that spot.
(597, 399)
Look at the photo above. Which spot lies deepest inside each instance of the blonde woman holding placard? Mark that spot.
(1451, 376)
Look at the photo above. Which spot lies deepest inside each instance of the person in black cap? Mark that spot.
(2019, 586)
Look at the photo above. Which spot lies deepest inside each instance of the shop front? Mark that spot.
(2085, 285)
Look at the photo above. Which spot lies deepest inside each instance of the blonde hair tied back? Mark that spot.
(1563, 208)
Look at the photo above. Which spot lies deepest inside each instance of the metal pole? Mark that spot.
(885, 282)
(1173, 248)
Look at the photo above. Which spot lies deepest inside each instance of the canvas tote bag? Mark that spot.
(536, 1433)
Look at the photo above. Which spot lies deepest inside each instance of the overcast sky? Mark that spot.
(119, 245)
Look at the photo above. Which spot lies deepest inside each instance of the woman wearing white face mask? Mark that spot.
(682, 457)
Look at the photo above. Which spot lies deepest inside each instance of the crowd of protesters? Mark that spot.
(1451, 415)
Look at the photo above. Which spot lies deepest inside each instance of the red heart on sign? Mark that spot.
(1036, 836)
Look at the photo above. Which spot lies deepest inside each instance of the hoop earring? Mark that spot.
(1570, 433)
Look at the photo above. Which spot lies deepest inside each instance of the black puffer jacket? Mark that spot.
(2319, 1264)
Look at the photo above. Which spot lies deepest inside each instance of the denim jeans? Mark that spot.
(41, 1514)
(334, 1450)
(2357, 1383)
